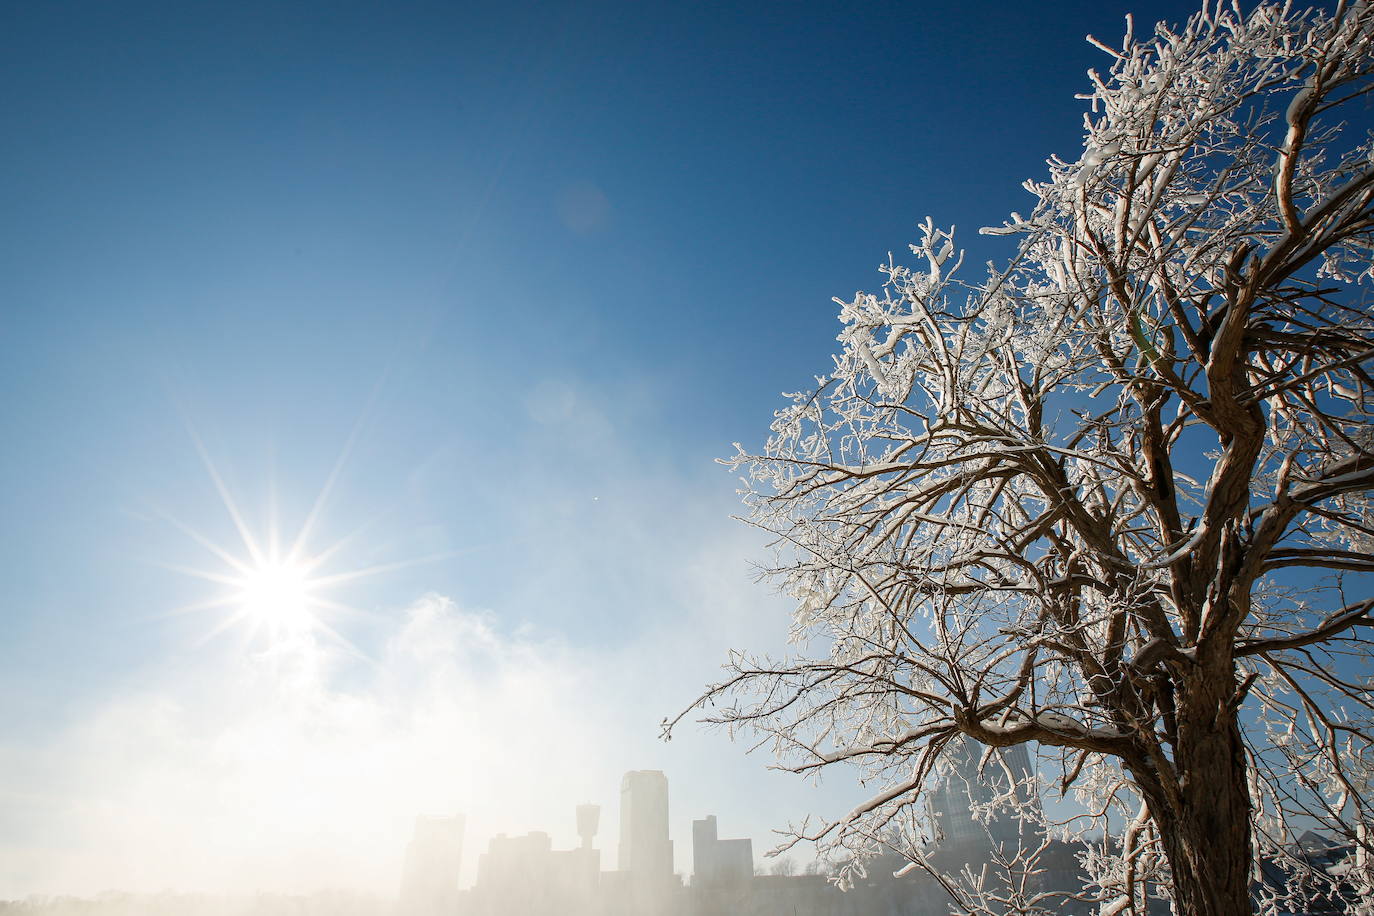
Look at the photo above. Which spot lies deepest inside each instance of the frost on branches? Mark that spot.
(1115, 500)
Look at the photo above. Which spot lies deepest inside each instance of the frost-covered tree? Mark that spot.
(1114, 500)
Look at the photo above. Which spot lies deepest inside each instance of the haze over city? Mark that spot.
(365, 372)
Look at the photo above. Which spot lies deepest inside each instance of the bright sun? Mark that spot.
(273, 588)
(275, 596)
(272, 593)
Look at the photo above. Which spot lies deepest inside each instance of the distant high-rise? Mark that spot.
(526, 876)
(645, 850)
(716, 861)
(952, 801)
(430, 884)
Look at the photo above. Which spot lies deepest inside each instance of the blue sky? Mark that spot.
(535, 266)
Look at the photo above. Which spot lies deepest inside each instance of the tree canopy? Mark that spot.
(1114, 499)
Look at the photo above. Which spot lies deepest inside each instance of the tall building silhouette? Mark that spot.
(716, 861)
(526, 876)
(958, 832)
(646, 880)
(645, 849)
(429, 886)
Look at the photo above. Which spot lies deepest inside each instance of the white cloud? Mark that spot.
(270, 774)
(616, 583)
(299, 769)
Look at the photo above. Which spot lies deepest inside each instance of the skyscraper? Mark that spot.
(716, 861)
(952, 802)
(645, 850)
(429, 886)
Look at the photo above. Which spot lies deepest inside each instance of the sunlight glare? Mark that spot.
(276, 595)
(277, 590)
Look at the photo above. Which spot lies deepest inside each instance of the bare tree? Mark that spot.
(1115, 500)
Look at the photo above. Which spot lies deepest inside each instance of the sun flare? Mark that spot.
(276, 595)
(275, 587)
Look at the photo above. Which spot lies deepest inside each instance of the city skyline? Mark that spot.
(963, 816)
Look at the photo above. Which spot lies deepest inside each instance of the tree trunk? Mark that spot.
(1205, 826)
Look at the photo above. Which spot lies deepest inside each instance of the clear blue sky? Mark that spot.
(541, 263)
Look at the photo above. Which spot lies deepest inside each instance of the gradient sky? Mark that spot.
(512, 276)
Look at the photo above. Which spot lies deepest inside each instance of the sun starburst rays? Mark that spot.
(274, 595)
(271, 586)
